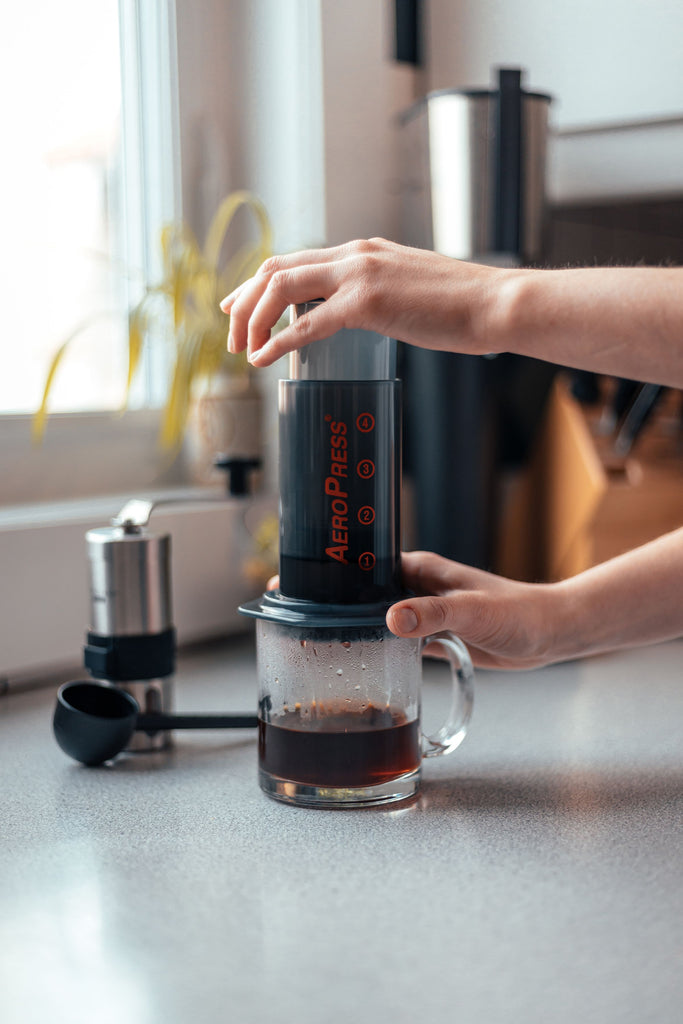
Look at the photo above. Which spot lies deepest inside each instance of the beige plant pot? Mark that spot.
(225, 418)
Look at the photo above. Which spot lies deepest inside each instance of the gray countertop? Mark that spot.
(538, 877)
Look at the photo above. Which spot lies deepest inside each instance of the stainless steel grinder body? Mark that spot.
(131, 641)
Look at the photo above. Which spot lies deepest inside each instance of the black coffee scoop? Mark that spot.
(93, 722)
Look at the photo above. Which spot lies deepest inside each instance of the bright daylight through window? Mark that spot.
(60, 206)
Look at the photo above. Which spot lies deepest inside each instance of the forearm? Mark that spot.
(621, 321)
(636, 598)
(625, 321)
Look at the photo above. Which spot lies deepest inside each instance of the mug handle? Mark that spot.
(452, 732)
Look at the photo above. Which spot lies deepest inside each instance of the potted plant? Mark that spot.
(211, 396)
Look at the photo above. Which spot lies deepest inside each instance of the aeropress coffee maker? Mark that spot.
(339, 694)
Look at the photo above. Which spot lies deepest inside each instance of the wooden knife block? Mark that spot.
(577, 505)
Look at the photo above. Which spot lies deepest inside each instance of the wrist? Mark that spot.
(552, 625)
(584, 623)
(506, 307)
(569, 635)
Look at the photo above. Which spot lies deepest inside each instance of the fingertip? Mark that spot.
(257, 356)
(402, 621)
(264, 356)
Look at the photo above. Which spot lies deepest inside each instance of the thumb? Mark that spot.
(421, 616)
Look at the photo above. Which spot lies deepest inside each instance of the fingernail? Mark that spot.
(405, 620)
(255, 357)
(226, 302)
(231, 346)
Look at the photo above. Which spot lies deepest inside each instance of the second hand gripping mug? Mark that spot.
(339, 713)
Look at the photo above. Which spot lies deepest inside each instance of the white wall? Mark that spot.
(250, 107)
(604, 60)
(250, 111)
(209, 43)
(364, 89)
(294, 99)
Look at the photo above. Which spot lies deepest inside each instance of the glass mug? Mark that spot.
(339, 713)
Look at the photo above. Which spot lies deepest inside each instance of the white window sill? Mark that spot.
(44, 589)
(86, 454)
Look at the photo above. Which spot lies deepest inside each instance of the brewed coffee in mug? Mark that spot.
(340, 710)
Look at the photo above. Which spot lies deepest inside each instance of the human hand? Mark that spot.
(504, 623)
(629, 600)
(414, 295)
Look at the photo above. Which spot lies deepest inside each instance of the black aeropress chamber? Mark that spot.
(340, 484)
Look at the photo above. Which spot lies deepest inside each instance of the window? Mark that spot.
(89, 177)
(58, 204)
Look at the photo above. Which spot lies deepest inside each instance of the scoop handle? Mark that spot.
(156, 722)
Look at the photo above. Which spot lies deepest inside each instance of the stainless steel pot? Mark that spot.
(473, 172)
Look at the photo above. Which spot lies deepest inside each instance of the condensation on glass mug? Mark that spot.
(339, 713)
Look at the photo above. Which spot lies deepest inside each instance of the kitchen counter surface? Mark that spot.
(538, 877)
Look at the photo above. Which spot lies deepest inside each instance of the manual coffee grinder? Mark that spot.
(132, 640)
(131, 643)
(339, 698)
